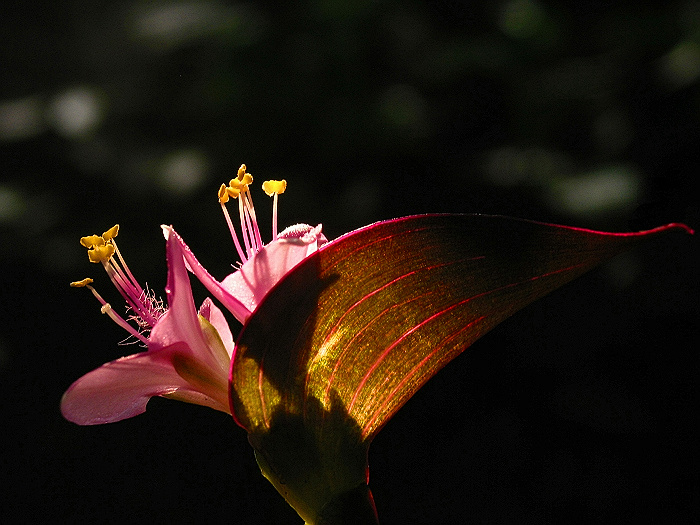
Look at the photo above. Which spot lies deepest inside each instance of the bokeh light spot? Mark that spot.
(611, 189)
(522, 19)
(182, 172)
(20, 119)
(12, 205)
(517, 166)
(171, 25)
(76, 112)
(681, 66)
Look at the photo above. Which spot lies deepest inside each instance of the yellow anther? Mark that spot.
(236, 186)
(223, 194)
(242, 177)
(111, 233)
(101, 253)
(241, 184)
(274, 186)
(91, 241)
(246, 179)
(81, 284)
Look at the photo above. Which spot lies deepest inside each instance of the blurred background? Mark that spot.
(581, 408)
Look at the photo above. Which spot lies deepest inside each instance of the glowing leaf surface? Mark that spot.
(355, 330)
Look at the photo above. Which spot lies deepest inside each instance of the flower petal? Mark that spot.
(242, 291)
(121, 389)
(231, 302)
(267, 267)
(211, 313)
(181, 322)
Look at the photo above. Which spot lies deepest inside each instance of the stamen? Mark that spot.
(223, 194)
(101, 249)
(244, 228)
(111, 233)
(238, 188)
(91, 241)
(101, 254)
(271, 187)
(81, 284)
(133, 294)
(223, 199)
(274, 188)
(245, 178)
(233, 192)
(257, 244)
(114, 316)
(107, 309)
(131, 279)
(274, 217)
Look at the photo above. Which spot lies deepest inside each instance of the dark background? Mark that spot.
(581, 408)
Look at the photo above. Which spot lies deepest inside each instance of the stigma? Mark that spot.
(238, 188)
(145, 309)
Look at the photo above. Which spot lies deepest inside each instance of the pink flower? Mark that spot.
(187, 358)
(188, 352)
(262, 265)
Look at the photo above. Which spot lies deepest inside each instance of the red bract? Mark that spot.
(347, 337)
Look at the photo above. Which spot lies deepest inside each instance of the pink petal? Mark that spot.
(231, 302)
(242, 291)
(181, 322)
(211, 313)
(267, 267)
(121, 389)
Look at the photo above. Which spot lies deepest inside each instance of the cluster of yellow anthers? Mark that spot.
(145, 309)
(238, 189)
(101, 247)
(236, 186)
